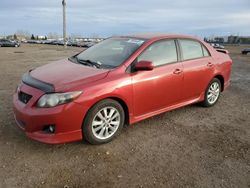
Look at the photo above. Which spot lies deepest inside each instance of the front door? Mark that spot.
(161, 87)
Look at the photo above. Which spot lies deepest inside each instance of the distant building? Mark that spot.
(217, 39)
(12, 37)
(238, 40)
(21, 37)
(233, 39)
(41, 37)
(244, 40)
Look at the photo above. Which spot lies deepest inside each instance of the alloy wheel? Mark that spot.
(213, 92)
(106, 122)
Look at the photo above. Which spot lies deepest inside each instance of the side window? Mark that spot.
(190, 49)
(160, 53)
(205, 52)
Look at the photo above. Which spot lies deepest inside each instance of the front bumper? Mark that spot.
(67, 118)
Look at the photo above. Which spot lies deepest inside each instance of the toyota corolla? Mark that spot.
(119, 81)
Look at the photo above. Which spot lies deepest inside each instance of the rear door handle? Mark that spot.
(209, 64)
(177, 71)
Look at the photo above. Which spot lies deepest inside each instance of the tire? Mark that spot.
(98, 128)
(212, 93)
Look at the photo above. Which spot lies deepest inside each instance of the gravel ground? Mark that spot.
(187, 147)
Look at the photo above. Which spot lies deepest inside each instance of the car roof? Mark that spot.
(159, 35)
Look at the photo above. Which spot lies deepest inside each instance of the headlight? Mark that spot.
(54, 99)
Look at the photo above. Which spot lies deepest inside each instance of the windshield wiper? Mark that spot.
(89, 62)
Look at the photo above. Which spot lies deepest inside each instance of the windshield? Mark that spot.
(111, 52)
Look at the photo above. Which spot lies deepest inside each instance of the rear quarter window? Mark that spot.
(190, 49)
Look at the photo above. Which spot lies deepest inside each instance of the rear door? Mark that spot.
(198, 68)
(160, 87)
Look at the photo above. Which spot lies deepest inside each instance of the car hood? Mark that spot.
(64, 74)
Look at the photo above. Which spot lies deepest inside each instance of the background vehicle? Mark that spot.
(217, 45)
(121, 80)
(245, 51)
(8, 43)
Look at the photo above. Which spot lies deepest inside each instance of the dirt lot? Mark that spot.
(188, 147)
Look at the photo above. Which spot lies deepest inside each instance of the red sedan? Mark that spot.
(121, 80)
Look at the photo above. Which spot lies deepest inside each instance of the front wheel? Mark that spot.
(212, 93)
(103, 122)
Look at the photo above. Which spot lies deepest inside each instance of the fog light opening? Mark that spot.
(49, 129)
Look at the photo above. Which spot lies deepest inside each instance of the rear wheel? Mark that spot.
(103, 122)
(212, 93)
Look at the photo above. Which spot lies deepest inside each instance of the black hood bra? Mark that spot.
(33, 82)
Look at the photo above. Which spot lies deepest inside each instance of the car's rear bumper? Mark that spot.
(67, 119)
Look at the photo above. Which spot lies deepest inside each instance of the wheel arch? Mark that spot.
(124, 106)
(117, 99)
(222, 80)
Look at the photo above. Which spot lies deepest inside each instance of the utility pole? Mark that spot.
(64, 23)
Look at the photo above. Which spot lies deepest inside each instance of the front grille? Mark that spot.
(24, 97)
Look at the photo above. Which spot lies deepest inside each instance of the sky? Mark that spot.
(105, 18)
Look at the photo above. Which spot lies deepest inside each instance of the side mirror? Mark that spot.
(144, 65)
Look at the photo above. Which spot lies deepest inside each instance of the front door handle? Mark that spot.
(177, 71)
